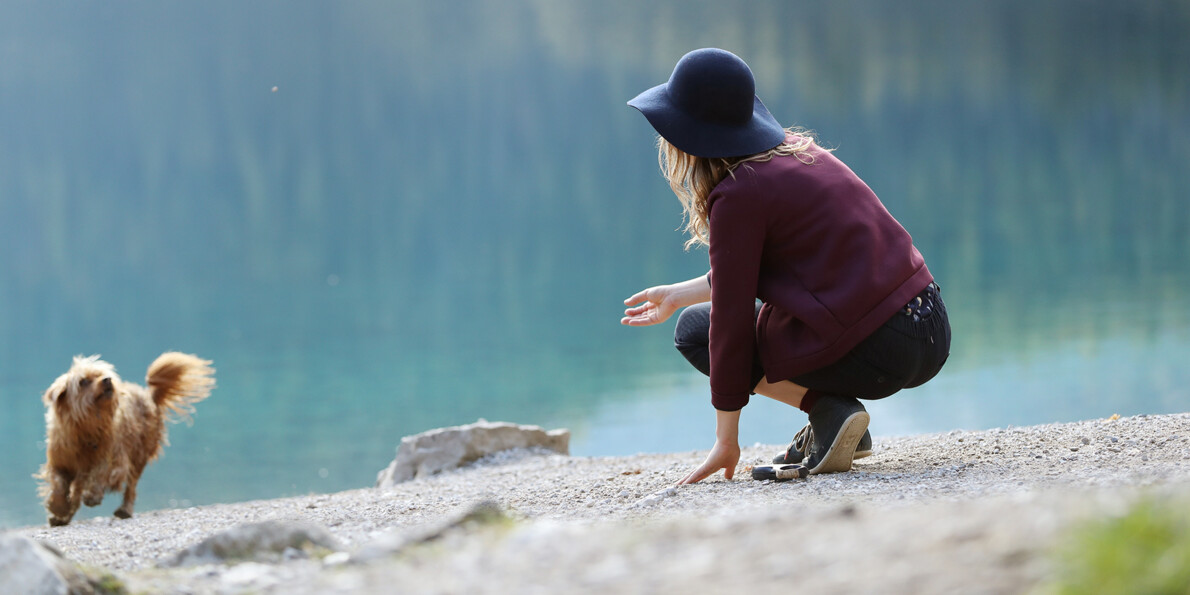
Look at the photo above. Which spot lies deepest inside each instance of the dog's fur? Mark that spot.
(101, 432)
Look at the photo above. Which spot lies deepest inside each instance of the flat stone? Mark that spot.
(438, 450)
(267, 541)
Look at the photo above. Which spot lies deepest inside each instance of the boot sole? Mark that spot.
(859, 454)
(839, 456)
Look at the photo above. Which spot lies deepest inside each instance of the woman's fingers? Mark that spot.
(637, 315)
(642, 315)
(636, 310)
(647, 307)
(636, 298)
(722, 456)
(696, 476)
(638, 320)
(703, 471)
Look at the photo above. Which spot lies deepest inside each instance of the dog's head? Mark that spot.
(85, 393)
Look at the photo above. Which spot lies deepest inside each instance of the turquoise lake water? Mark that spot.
(379, 218)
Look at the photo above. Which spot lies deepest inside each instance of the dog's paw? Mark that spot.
(93, 500)
(122, 514)
(59, 522)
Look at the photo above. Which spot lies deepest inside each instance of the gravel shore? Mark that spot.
(970, 511)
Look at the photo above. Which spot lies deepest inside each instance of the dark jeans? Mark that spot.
(905, 352)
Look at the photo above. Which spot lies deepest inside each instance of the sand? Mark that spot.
(970, 511)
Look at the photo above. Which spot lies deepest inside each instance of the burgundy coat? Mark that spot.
(816, 245)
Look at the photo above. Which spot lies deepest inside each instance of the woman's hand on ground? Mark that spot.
(657, 306)
(725, 455)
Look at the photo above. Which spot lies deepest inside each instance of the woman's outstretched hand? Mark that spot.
(657, 306)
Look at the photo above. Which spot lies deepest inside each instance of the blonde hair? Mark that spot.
(692, 178)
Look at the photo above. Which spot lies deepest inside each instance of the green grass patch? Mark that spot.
(1144, 552)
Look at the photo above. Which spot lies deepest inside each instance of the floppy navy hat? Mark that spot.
(709, 107)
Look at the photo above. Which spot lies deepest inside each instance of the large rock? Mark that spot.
(32, 568)
(269, 541)
(446, 448)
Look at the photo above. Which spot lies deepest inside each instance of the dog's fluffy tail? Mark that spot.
(177, 381)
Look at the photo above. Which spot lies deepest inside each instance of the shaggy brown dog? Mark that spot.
(101, 431)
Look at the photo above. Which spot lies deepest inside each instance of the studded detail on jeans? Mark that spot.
(922, 306)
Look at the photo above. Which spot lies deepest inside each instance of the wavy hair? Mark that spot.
(692, 178)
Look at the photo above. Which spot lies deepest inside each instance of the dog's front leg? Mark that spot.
(93, 495)
(125, 509)
(64, 497)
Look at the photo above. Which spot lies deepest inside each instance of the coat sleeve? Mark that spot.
(737, 235)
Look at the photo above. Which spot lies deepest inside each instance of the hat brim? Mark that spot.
(702, 138)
